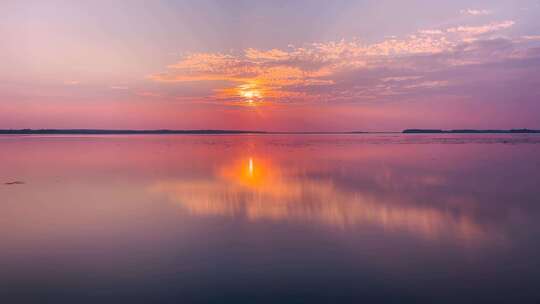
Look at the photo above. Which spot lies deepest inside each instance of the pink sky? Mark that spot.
(291, 66)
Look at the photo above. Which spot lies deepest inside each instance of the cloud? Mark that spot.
(72, 82)
(400, 78)
(483, 29)
(119, 87)
(531, 37)
(431, 32)
(351, 71)
(271, 55)
(475, 12)
(427, 84)
(148, 94)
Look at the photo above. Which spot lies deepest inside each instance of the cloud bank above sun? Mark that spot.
(351, 71)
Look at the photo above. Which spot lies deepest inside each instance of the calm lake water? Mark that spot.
(270, 219)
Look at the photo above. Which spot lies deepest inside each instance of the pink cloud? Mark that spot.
(483, 29)
(346, 71)
(475, 12)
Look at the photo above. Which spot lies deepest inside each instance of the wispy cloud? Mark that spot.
(348, 70)
(531, 37)
(431, 32)
(475, 12)
(119, 87)
(483, 29)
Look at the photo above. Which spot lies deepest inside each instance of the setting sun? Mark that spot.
(249, 93)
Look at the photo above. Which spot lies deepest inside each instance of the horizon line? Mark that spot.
(77, 131)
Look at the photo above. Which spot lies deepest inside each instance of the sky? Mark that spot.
(295, 65)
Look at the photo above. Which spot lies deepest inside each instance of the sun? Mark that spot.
(250, 94)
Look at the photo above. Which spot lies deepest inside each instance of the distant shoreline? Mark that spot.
(118, 132)
(231, 132)
(156, 132)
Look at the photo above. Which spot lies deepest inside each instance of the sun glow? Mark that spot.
(251, 172)
(250, 94)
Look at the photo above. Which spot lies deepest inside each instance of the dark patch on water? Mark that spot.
(14, 183)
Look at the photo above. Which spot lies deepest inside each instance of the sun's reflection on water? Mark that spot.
(250, 167)
(258, 189)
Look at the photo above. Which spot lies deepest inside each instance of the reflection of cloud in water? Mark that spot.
(257, 190)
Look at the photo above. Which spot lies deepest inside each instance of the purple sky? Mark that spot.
(270, 65)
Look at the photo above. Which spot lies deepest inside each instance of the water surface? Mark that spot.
(270, 218)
